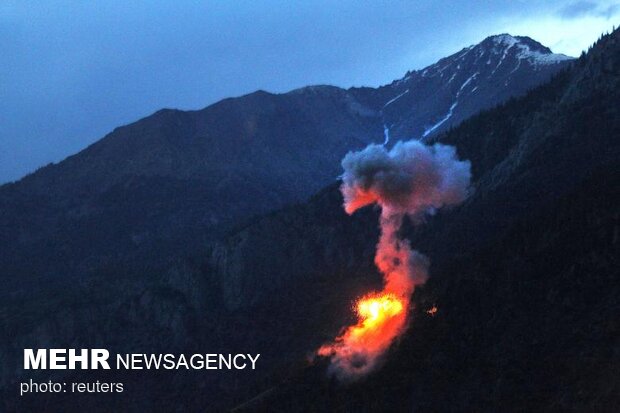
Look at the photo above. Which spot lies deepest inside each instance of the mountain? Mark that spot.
(165, 185)
(282, 283)
(440, 96)
(524, 274)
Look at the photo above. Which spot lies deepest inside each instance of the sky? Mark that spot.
(72, 71)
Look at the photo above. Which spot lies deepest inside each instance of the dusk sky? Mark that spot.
(71, 71)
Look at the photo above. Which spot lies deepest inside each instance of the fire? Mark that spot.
(410, 179)
(432, 311)
(381, 317)
(375, 311)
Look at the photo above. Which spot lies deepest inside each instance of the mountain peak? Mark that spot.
(503, 39)
(493, 51)
(524, 48)
(476, 77)
(506, 40)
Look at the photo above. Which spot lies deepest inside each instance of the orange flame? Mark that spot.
(376, 314)
(409, 179)
(432, 311)
(381, 317)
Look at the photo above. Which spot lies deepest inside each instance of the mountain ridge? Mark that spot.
(506, 294)
(384, 101)
(522, 275)
(162, 187)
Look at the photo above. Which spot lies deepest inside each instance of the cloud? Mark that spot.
(581, 9)
(611, 11)
(578, 9)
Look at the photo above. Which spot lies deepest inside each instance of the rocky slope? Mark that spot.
(161, 187)
(428, 101)
(281, 284)
(524, 274)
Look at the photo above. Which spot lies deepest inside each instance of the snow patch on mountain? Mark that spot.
(386, 134)
(506, 42)
(396, 98)
(452, 107)
(441, 122)
(537, 57)
(508, 45)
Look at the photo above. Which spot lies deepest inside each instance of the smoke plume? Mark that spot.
(410, 179)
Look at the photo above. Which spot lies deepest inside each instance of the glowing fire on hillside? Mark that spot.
(380, 318)
(410, 179)
(432, 311)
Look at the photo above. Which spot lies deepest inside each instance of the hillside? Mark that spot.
(162, 187)
(523, 274)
